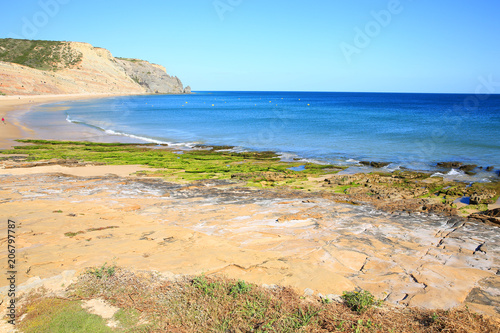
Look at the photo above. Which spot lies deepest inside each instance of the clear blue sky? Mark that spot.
(421, 46)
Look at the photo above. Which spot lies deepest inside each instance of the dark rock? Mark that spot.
(475, 199)
(374, 164)
(490, 168)
(479, 296)
(468, 167)
(345, 180)
(455, 222)
(470, 173)
(482, 197)
(449, 164)
(379, 164)
(481, 248)
(455, 191)
(492, 216)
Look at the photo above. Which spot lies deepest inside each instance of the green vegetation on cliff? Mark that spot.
(39, 54)
(130, 59)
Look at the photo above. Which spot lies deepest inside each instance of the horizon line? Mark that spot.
(353, 92)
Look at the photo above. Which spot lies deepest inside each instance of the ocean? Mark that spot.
(412, 131)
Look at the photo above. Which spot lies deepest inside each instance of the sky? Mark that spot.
(446, 46)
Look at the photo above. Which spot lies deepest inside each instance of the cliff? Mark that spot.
(152, 77)
(45, 67)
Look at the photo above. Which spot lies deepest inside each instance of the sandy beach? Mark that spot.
(71, 218)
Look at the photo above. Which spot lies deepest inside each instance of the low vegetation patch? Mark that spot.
(262, 168)
(73, 234)
(58, 315)
(150, 303)
(104, 271)
(130, 59)
(39, 54)
(360, 301)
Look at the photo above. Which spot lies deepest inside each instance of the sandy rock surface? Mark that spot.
(70, 223)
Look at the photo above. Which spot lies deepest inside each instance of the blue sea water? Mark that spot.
(409, 130)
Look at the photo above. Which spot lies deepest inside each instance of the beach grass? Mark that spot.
(148, 302)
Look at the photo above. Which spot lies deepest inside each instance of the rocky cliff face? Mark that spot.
(40, 67)
(152, 77)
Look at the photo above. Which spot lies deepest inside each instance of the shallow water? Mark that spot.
(411, 130)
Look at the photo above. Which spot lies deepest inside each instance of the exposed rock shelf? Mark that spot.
(262, 236)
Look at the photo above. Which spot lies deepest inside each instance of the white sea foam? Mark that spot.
(287, 157)
(189, 145)
(238, 149)
(291, 157)
(137, 137)
(392, 167)
(69, 120)
(312, 161)
(437, 174)
(454, 172)
(142, 138)
(459, 175)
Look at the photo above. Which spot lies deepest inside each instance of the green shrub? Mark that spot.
(241, 287)
(103, 271)
(208, 288)
(360, 301)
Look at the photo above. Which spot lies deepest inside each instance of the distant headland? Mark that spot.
(36, 67)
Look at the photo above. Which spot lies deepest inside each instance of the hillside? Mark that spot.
(49, 67)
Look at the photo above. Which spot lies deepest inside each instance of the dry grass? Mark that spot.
(216, 304)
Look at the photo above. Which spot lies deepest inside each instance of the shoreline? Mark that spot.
(14, 105)
(10, 106)
(326, 232)
(69, 131)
